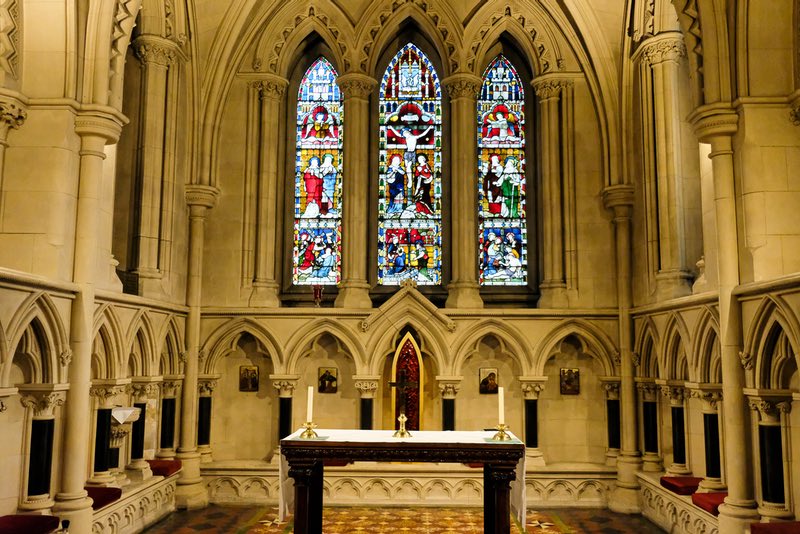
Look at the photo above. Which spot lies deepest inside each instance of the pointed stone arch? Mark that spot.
(30, 355)
(381, 344)
(513, 341)
(167, 357)
(646, 347)
(771, 341)
(225, 339)
(142, 332)
(705, 354)
(108, 326)
(302, 339)
(596, 344)
(673, 349)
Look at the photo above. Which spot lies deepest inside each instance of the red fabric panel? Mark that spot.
(103, 496)
(681, 485)
(29, 524)
(164, 468)
(788, 527)
(709, 501)
(408, 361)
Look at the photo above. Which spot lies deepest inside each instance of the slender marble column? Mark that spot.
(191, 492)
(651, 459)
(95, 129)
(717, 125)
(464, 291)
(367, 386)
(170, 393)
(205, 389)
(285, 384)
(710, 398)
(676, 395)
(619, 198)
(611, 392)
(448, 387)
(532, 387)
(142, 390)
(354, 289)
(770, 421)
(265, 285)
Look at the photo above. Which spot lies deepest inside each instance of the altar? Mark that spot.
(502, 461)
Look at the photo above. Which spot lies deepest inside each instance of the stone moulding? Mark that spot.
(138, 508)
(675, 513)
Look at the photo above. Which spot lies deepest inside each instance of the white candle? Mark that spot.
(500, 406)
(310, 408)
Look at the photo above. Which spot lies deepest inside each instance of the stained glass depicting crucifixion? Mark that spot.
(318, 182)
(410, 167)
(502, 214)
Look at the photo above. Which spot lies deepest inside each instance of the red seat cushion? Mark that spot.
(29, 524)
(102, 496)
(681, 485)
(164, 468)
(709, 501)
(788, 527)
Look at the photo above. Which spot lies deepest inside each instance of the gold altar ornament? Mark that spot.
(402, 432)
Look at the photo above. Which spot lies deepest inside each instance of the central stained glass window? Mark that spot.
(410, 167)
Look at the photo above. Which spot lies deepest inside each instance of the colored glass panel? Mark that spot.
(410, 171)
(502, 238)
(318, 178)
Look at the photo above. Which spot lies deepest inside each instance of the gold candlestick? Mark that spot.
(501, 433)
(309, 433)
(402, 432)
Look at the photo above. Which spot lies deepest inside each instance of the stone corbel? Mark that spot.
(674, 392)
(648, 390)
(367, 385)
(105, 392)
(12, 115)
(449, 386)
(285, 384)
(206, 385)
(532, 386)
(710, 396)
(747, 360)
(171, 387)
(610, 385)
(6, 392)
(43, 399)
(122, 419)
(769, 404)
(143, 388)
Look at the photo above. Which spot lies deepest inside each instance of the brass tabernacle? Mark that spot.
(501, 433)
(402, 432)
(309, 433)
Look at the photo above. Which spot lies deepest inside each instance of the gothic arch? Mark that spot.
(56, 352)
(510, 337)
(107, 325)
(673, 349)
(772, 311)
(31, 352)
(143, 325)
(224, 340)
(705, 348)
(104, 358)
(167, 357)
(430, 340)
(647, 342)
(302, 339)
(596, 343)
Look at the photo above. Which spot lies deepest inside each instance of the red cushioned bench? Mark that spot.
(102, 496)
(785, 527)
(29, 524)
(681, 485)
(164, 468)
(709, 501)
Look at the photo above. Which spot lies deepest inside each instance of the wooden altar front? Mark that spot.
(307, 457)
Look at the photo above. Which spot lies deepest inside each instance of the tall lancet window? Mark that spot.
(410, 181)
(501, 168)
(318, 182)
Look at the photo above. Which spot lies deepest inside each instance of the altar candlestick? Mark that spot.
(310, 408)
(500, 406)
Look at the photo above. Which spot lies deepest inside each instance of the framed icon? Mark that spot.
(570, 381)
(487, 380)
(248, 378)
(328, 380)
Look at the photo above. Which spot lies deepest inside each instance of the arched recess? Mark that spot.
(30, 358)
(225, 339)
(141, 342)
(383, 22)
(385, 334)
(167, 356)
(646, 346)
(302, 340)
(594, 341)
(673, 349)
(776, 357)
(705, 349)
(773, 314)
(512, 340)
(104, 359)
(108, 336)
(39, 307)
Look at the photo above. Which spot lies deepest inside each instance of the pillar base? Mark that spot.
(553, 295)
(652, 463)
(774, 513)
(265, 296)
(165, 454)
(678, 470)
(105, 479)
(465, 295)
(353, 295)
(139, 471)
(673, 284)
(77, 509)
(534, 457)
(625, 497)
(737, 518)
(612, 456)
(190, 493)
(37, 504)
(624, 501)
(205, 454)
(710, 485)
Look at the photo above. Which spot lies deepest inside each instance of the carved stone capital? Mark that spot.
(675, 394)
(611, 390)
(43, 403)
(660, 49)
(462, 86)
(206, 386)
(105, 393)
(747, 360)
(151, 49)
(648, 391)
(171, 388)
(619, 198)
(270, 87)
(367, 387)
(356, 85)
(142, 391)
(285, 384)
(770, 409)
(531, 389)
(449, 388)
(201, 195)
(550, 88)
(713, 121)
(709, 398)
(12, 114)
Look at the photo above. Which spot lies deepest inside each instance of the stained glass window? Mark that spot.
(501, 170)
(410, 167)
(318, 178)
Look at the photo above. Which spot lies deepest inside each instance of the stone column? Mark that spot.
(96, 129)
(205, 390)
(367, 387)
(156, 55)
(190, 492)
(553, 287)
(532, 387)
(771, 411)
(42, 400)
(170, 390)
(710, 398)
(464, 291)
(268, 221)
(105, 393)
(611, 391)
(142, 390)
(285, 384)
(448, 387)
(12, 116)
(651, 427)
(619, 198)
(675, 394)
(354, 289)
(716, 125)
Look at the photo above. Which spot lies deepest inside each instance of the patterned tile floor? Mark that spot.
(341, 520)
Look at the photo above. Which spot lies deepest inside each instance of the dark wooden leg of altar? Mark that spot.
(501, 482)
(315, 499)
(488, 500)
(302, 475)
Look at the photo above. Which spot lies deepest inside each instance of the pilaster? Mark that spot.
(532, 387)
(611, 387)
(710, 397)
(651, 459)
(676, 395)
(205, 389)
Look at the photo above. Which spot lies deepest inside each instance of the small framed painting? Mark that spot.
(487, 380)
(248, 378)
(328, 380)
(570, 381)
